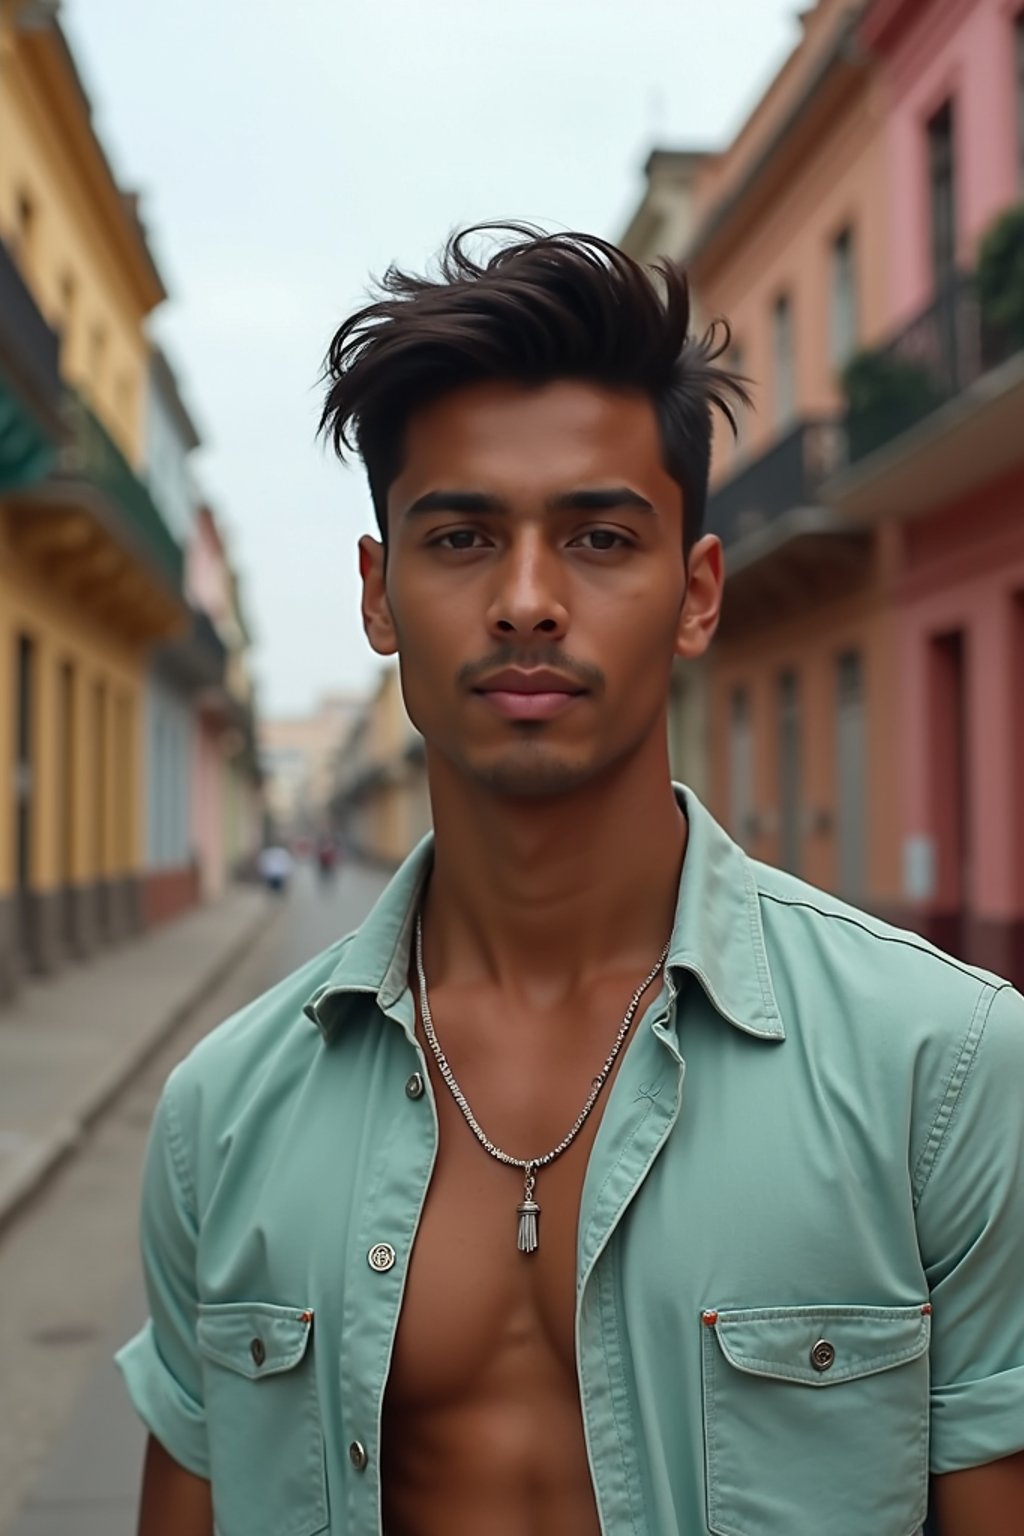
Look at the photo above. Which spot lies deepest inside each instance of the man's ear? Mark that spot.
(377, 620)
(698, 618)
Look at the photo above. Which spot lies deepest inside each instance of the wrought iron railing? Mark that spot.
(942, 352)
(788, 475)
(93, 455)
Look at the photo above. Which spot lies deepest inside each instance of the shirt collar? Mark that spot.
(717, 935)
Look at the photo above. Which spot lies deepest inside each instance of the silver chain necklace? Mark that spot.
(528, 1210)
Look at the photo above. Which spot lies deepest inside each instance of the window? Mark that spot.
(66, 309)
(843, 317)
(850, 773)
(24, 235)
(783, 360)
(942, 186)
(97, 354)
(789, 772)
(741, 767)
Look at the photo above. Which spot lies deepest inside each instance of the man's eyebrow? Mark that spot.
(597, 499)
(455, 501)
(600, 499)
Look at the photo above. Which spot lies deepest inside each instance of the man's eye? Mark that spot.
(457, 538)
(603, 538)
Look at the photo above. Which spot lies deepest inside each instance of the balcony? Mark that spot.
(941, 353)
(93, 533)
(782, 544)
(197, 660)
(29, 350)
(92, 456)
(933, 413)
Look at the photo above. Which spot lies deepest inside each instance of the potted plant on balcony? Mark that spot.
(885, 394)
(1000, 285)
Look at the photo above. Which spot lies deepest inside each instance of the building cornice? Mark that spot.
(52, 69)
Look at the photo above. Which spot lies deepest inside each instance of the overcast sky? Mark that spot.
(287, 153)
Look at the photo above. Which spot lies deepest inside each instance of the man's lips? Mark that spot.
(537, 694)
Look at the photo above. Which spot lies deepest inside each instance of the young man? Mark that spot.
(605, 1181)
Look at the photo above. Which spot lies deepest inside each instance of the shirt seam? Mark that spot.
(175, 1146)
(956, 1083)
(908, 942)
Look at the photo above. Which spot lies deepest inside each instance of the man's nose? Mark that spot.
(529, 596)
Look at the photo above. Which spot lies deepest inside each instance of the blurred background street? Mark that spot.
(70, 1445)
(191, 199)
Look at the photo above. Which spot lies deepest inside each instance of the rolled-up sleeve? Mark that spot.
(970, 1218)
(160, 1365)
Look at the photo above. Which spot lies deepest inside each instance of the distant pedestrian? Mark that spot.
(605, 1180)
(275, 866)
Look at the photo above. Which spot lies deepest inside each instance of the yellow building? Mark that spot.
(89, 575)
(382, 801)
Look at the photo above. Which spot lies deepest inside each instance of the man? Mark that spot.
(604, 1180)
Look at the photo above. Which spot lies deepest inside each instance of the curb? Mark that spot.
(37, 1166)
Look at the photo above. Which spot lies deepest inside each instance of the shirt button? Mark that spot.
(381, 1257)
(414, 1087)
(823, 1355)
(357, 1455)
(258, 1350)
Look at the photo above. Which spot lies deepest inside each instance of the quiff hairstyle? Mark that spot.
(540, 308)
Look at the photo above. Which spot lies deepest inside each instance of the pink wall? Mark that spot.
(206, 575)
(951, 48)
(965, 573)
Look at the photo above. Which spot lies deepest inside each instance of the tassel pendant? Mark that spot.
(528, 1211)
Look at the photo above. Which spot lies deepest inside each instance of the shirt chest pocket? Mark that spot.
(816, 1418)
(262, 1419)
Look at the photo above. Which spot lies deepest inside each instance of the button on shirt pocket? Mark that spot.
(782, 1385)
(263, 1421)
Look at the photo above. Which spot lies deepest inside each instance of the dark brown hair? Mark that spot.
(540, 308)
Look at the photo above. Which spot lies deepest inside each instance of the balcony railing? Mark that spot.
(197, 659)
(943, 351)
(92, 455)
(787, 476)
(28, 347)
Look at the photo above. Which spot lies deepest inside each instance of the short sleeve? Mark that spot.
(160, 1365)
(970, 1220)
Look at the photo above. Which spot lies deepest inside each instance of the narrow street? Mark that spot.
(70, 1289)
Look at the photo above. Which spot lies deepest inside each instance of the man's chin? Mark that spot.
(532, 776)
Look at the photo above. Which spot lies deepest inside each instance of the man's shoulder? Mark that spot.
(827, 942)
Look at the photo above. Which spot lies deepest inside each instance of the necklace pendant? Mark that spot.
(528, 1211)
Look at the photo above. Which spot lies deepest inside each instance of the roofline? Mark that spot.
(845, 49)
(48, 50)
(167, 381)
(684, 158)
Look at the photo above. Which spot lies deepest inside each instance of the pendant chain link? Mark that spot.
(527, 1163)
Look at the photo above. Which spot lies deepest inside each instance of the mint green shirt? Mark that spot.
(800, 1263)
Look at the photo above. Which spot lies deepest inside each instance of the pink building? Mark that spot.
(947, 481)
(859, 720)
(227, 797)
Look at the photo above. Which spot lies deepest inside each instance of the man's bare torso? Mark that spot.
(483, 1428)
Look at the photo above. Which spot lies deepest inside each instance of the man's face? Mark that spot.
(535, 588)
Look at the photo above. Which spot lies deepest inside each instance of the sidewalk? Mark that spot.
(69, 1043)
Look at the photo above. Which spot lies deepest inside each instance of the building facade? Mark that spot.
(942, 476)
(90, 575)
(381, 800)
(298, 754)
(862, 234)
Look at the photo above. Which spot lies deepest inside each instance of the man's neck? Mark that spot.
(539, 897)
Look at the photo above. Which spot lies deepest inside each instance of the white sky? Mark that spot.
(286, 153)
